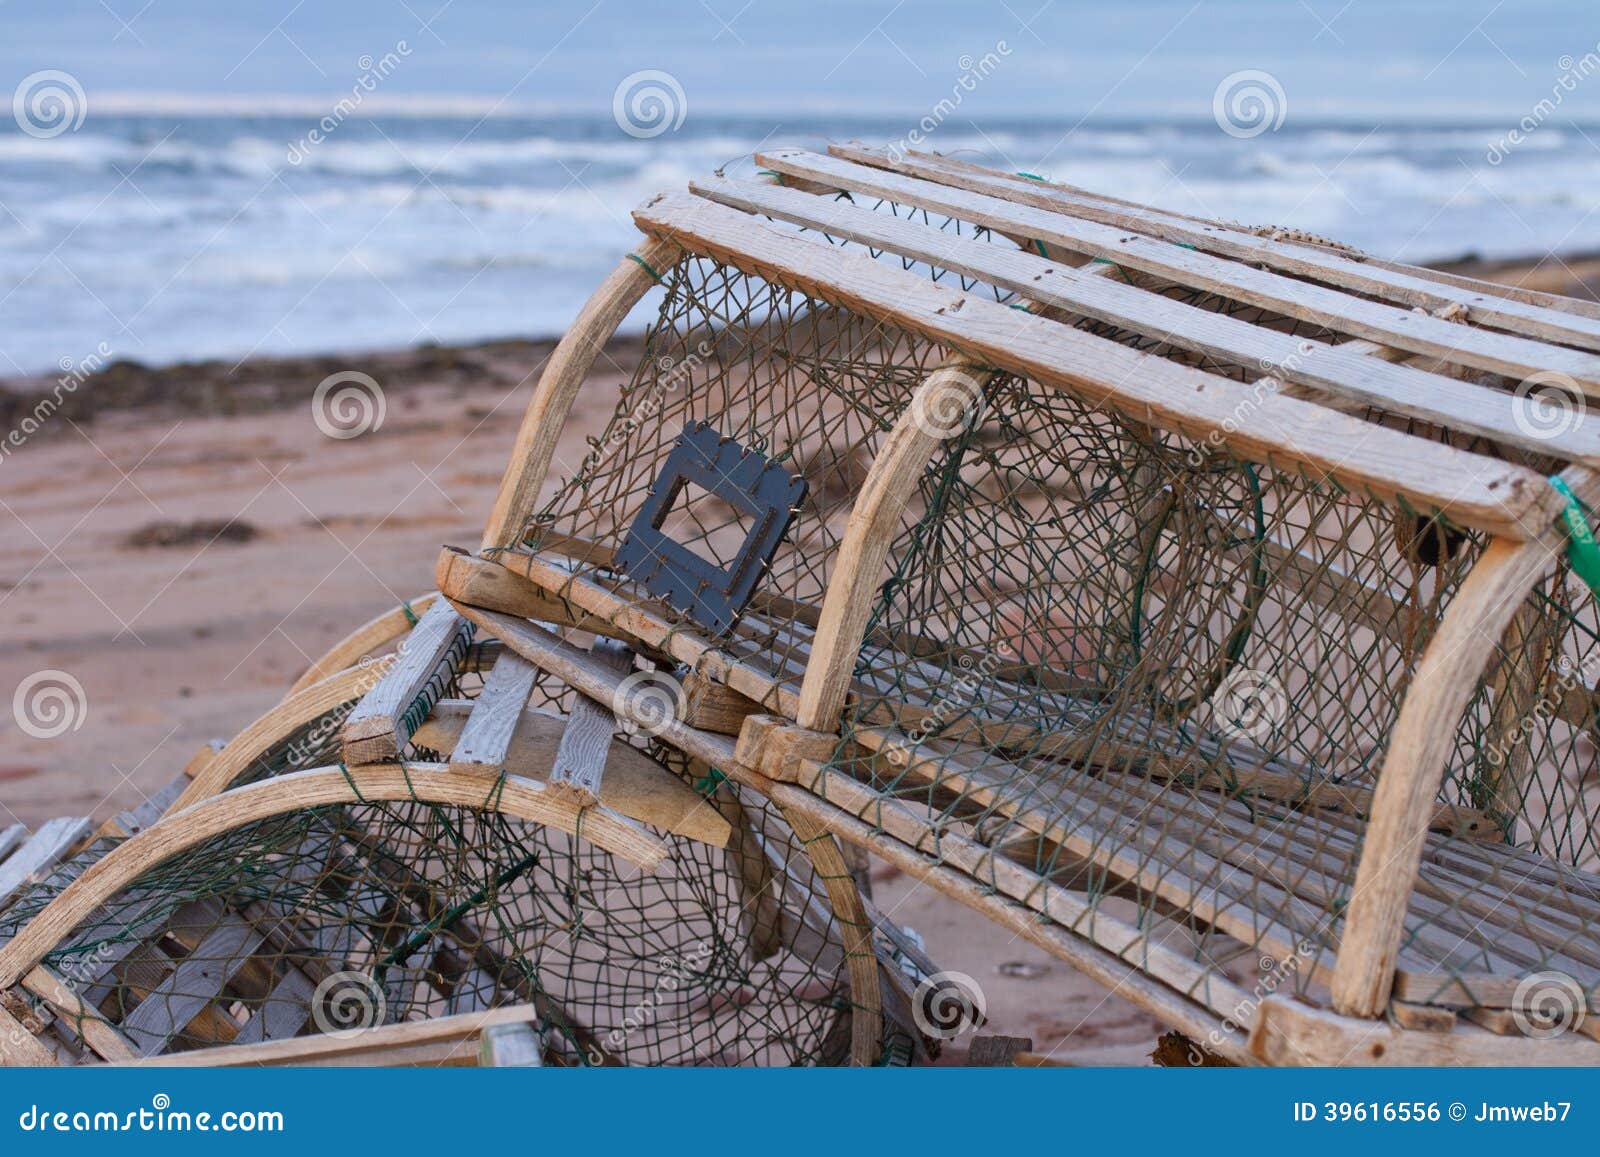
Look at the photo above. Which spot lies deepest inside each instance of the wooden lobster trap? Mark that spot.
(1192, 599)
(276, 906)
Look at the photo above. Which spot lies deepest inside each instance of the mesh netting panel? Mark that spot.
(1169, 676)
(342, 918)
(1151, 671)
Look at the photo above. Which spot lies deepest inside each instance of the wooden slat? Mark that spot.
(495, 714)
(1581, 306)
(1471, 489)
(19, 1047)
(635, 785)
(580, 764)
(1370, 381)
(98, 1033)
(283, 1013)
(453, 1040)
(1390, 325)
(192, 987)
(11, 839)
(511, 1046)
(1320, 264)
(54, 840)
(376, 730)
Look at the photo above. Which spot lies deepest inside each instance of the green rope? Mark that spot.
(1582, 551)
(645, 265)
(345, 771)
(1031, 176)
(709, 782)
(411, 615)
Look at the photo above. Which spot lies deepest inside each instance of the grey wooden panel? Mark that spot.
(194, 984)
(54, 839)
(581, 756)
(284, 1012)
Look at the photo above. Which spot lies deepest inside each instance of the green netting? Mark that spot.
(338, 919)
(1159, 676)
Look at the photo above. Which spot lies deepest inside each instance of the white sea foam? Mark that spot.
(206, 236)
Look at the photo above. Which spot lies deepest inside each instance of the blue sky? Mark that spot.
(1369, 59)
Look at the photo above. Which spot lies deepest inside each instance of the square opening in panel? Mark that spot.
(709, 526)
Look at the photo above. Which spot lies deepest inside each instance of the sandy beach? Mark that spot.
(183, 541)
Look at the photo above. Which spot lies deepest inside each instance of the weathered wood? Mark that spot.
(97, 1032)
(284, 1011)
(441, 1040)
(489, 729)
(992, 1052)
(635, 785)
(1336, 369)
(558, 386)
(377, 729)
(1319, 264)
(11, 839)
(581, 757)
(772, 746)
(712, 706)
(516, 1045)
(1515, 357)
(194, 985)
(1288, 1032)
(47, 847)
(19, 1047)
(1419, 746)
(1391, 466)
(866, 994)
(488, 583)
(1421, 1017)
(425, 783)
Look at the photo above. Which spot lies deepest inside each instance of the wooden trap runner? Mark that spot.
(1191, 598)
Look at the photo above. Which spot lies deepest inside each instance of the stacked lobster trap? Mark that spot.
(1200, 603)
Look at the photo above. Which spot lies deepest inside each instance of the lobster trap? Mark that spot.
(276, 906)
(1191, 598)
(1202, 603)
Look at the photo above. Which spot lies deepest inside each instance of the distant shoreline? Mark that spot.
(221, 387)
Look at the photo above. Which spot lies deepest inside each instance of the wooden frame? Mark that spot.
(426, 783)
(1392, 346)
(1314, 423)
